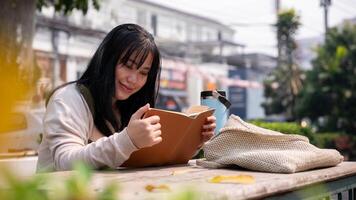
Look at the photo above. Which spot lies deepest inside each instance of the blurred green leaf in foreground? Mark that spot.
(40, 187)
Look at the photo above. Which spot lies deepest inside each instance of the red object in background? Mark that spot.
(343, 142)
(171, 104)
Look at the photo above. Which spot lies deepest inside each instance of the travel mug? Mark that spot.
(217, 100)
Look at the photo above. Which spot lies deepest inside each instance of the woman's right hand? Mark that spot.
(144, 132)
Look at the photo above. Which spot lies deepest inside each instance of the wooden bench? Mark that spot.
(328, 183)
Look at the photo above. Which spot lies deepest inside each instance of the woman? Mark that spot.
(97, 119)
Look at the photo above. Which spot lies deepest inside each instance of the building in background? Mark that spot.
(62, 48)
(195, 49)
(246, 95)
(64, 44)
(178, 33)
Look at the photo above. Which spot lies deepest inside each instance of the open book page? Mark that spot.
(192, 111)
(195, 110)
(189, 142)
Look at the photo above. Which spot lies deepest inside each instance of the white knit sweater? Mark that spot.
(68, 125)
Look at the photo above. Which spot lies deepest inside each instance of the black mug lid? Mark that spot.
(221, 96)
(208, 93)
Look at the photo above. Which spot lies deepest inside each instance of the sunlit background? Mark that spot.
(229, 45)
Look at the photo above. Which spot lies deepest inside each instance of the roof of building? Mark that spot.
(65, 25)
(183, 13)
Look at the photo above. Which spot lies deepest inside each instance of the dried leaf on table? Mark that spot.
(243, 179)
(163, 188)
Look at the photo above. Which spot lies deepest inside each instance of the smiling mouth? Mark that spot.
(126, 88)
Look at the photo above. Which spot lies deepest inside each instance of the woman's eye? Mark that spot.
(128, 66)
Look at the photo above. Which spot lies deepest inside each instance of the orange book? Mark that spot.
(181, 136)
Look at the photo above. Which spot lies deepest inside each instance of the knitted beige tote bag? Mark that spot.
(255, 148)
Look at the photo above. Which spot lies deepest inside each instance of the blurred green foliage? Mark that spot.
(187, 194)
(328, 98)
(66, 6)
(40, 187)
(75, 187)
(344, 143)
(283, 84)
(326, 140)
(287, 128)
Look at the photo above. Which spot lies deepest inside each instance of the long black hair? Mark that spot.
(117, 47)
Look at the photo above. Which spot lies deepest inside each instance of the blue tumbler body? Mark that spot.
(207, 98)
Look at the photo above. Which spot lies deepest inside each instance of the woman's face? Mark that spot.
(129, 79)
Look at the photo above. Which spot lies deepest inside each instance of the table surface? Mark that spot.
(23, 166)
(132, 182)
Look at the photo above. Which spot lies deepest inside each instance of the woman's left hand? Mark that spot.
(208, 128)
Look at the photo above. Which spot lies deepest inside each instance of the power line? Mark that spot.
(345, 7)
(207, 12)
(309, 19)
(341, 11)
(344, 10)
(313, 29)
(262, 46)
(347, 4)
(239, 24)
(211, 13)
(351, 1)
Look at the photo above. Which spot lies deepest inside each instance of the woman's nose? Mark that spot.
(132, 78)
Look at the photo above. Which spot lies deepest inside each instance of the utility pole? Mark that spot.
(221, 47)
(278, 7)
(325, 4)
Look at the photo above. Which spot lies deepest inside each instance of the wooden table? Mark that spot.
(23, 166)
(336, 182)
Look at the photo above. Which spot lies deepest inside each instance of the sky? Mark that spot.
(252, 19)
